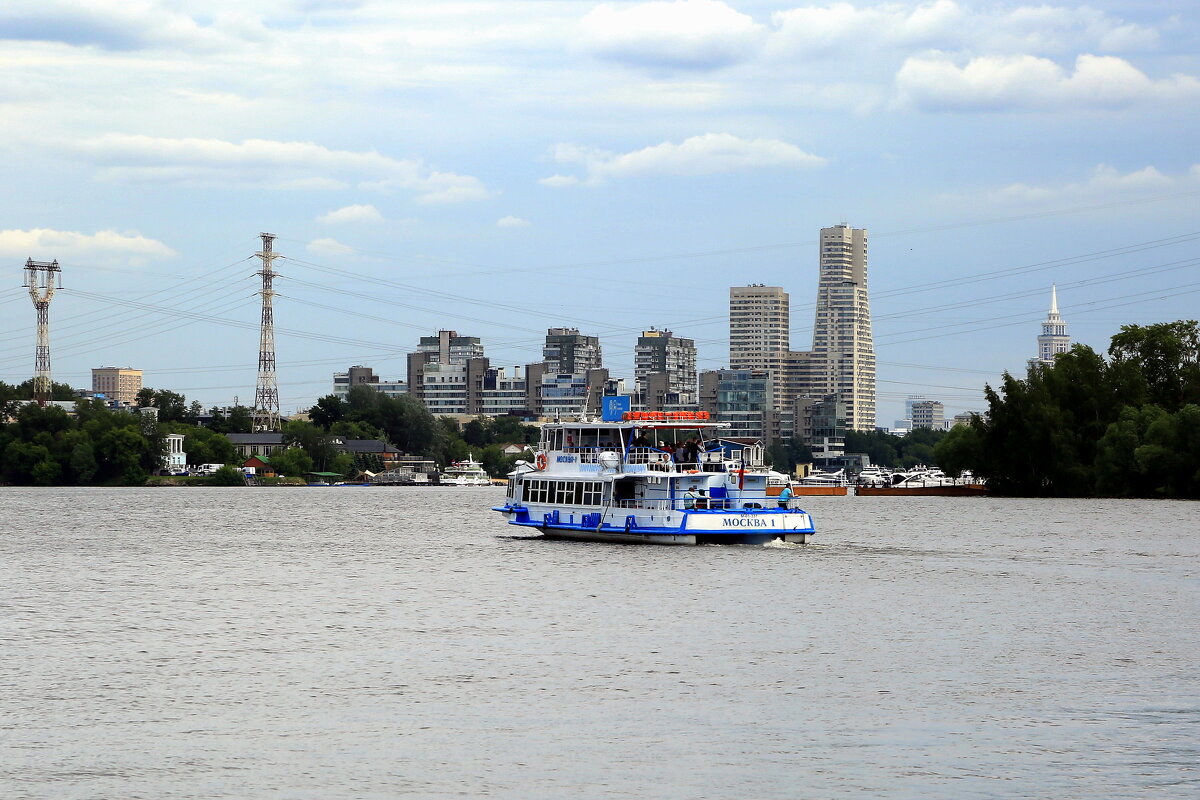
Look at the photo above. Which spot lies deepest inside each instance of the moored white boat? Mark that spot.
(820, 478)
(465, 473)
(627, 481)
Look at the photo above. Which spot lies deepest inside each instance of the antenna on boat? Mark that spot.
(587, 402)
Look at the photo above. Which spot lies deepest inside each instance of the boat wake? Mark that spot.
(779, 544)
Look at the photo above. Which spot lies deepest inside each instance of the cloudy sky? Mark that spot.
(498, 168)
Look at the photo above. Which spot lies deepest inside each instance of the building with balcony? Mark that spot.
(929, 414)
(359, 375)
(843, 348)
(665, 370)
(566, 351)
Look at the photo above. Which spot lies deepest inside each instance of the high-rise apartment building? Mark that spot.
(843, 349)
(446, 373)
(1054, 338)
(929, 414)
(567, 351)
(759, 338)
(447, 347)
(673, 359)
(120, 384)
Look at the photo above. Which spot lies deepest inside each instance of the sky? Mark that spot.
(501, 168)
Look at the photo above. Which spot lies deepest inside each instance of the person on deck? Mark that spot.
(785, 496)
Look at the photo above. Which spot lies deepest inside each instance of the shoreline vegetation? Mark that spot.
(1083, 426)
(1088, 426)
(100, 446)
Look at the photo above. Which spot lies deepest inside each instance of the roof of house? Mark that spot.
(364, 446)
(255, 438)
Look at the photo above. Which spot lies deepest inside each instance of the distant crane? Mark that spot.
(266, 395)
(42, 278)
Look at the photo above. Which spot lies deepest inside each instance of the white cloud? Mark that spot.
(699, 155)
(512, 222)
(351, 214)
(683, 34)
(124, 26)
(1014, 82)
(259, 163)
(947, 25)
(108, 246)
(328, 246)
(819, 30)
(1104, 182)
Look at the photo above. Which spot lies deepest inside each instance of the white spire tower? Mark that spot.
(1054, 338)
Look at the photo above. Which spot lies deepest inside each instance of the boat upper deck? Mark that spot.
(658, 442)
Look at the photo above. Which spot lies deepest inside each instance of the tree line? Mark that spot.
(101, 446)
(1085, 425)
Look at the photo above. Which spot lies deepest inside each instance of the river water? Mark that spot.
(396, 642)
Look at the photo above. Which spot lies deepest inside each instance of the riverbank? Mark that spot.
(205, 480)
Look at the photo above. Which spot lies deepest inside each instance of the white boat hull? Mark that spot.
(756, 526)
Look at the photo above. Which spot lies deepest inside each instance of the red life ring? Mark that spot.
(540, 462)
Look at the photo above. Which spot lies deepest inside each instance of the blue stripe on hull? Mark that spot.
(645, 535)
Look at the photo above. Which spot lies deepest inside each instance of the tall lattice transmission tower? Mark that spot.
(42, 278)
(266, 396)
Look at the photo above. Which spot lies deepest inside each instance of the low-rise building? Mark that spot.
(175, 460)
(256, 444)
(359, 375)
(120, 384)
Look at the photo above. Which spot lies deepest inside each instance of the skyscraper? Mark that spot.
(843, 361)
(759, 338)
(1054, 338)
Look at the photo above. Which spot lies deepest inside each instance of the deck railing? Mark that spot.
(656, 460)
(705, 504)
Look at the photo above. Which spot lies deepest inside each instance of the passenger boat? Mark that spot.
(624, 480)
(465, 473)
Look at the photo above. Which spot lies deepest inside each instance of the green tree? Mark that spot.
(83, 463)
(313, 441)
(342, 464)
(1168, 357)
(119, 452)
(228, 475)
(960, 449)
(347, 429)
(293, 461)
(47, 472)
(328, 410)
(511, 430)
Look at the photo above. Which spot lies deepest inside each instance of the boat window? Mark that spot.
(563, 493)
(623, 490)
